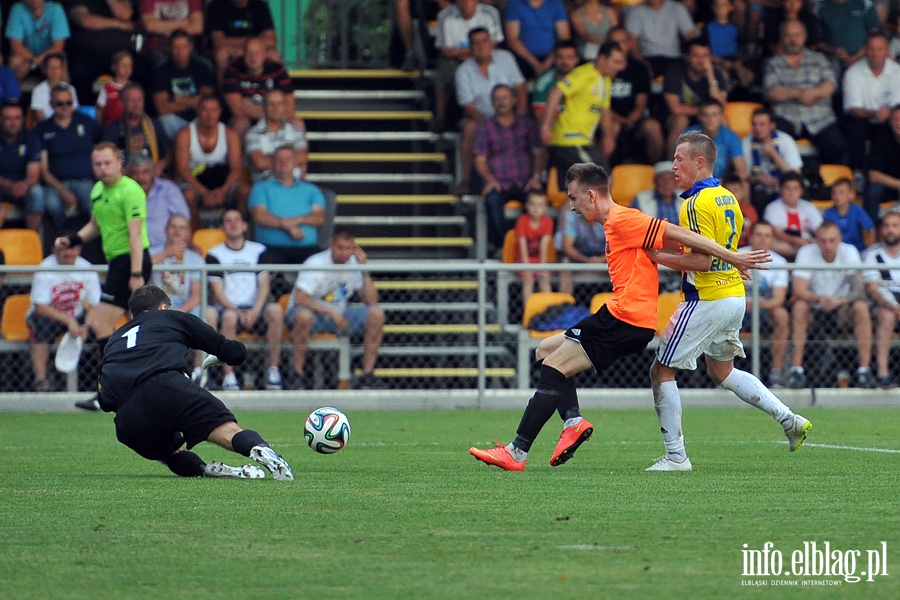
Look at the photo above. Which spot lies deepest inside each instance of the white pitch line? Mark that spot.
(592, 547)
(857, 448)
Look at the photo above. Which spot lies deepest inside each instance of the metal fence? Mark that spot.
(452, 325)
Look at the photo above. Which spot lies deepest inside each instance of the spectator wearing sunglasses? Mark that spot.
(66, 141)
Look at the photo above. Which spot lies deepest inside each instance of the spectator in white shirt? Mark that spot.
(871, 88)
(320, 303)
(834, 300)
(883, 288)
(242, 297)
(58, 300)
(795, 220)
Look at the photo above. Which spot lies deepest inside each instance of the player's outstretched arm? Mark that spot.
(203, 337)
(742, 261)
(692, 261)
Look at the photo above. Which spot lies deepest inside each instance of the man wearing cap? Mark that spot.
(662, 201)
(57, 306)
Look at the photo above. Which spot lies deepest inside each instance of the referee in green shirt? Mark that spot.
(119, 216)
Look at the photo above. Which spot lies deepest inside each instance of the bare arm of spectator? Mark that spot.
(235, 163)
(511, 30)
(368, 294)
(490, 182)
(193, 24)
(264, 218)
(679, 108)
(219, 40)
(740, 167)
(471, 112)
(17, 48)
(217, 287)
(521, 98)
(193, 299)
(182, 163)
(550, 114)
(884, 179)
(122, 11)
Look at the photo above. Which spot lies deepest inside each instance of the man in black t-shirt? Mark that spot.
(230, 23)
(638, 136)
(158, 409)
(884, 167)
(688, 83)
(180, 83)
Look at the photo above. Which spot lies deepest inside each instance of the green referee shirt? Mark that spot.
(113, 207)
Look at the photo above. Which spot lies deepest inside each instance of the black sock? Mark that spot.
(185, 464)
(568, 402)
(243, 441)
(540, 408)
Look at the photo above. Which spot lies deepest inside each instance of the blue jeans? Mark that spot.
(170, 124)
(32, 202)
(496, 220)
(82, 190)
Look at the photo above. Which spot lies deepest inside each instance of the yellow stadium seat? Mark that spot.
(204, 239)
(739, 116)
(13, 324)
(541, 301)
(831, 173)
(665, 308)
(628, 181)
(21, 246)
(599, 300)
(510, 251)
(556, 196)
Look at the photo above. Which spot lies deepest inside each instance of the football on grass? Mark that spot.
(327, 430)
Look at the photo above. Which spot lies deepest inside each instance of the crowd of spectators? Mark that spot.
(195, 97)
(617, 83)
(531, 84)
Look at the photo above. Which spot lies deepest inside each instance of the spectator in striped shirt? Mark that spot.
(508, 157)
(248, 79)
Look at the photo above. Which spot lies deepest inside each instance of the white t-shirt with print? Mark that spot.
(67, 291)
(176, 284)
(778, 214)
(335, 287)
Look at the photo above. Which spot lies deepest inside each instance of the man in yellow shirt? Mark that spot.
(568, 130)
(709, 319)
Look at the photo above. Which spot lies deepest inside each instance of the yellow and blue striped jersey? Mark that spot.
(713, 212)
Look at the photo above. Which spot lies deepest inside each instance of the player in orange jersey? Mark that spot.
(623, 326)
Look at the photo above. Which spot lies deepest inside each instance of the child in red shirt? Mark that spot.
(109, 107)
(534, 234)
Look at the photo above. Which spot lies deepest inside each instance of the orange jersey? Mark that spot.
(635, 278)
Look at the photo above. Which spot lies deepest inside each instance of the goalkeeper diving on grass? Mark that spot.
(623, 326)
(160, 413)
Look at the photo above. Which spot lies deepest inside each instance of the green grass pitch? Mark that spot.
(405, 512)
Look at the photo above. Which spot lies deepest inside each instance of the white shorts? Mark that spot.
(710, 327)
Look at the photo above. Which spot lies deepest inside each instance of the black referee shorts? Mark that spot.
(606, 339)
(115, 288)
(167, 411)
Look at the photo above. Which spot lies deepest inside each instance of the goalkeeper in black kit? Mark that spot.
(160, 413)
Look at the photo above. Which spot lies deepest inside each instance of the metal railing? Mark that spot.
(449, 334)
